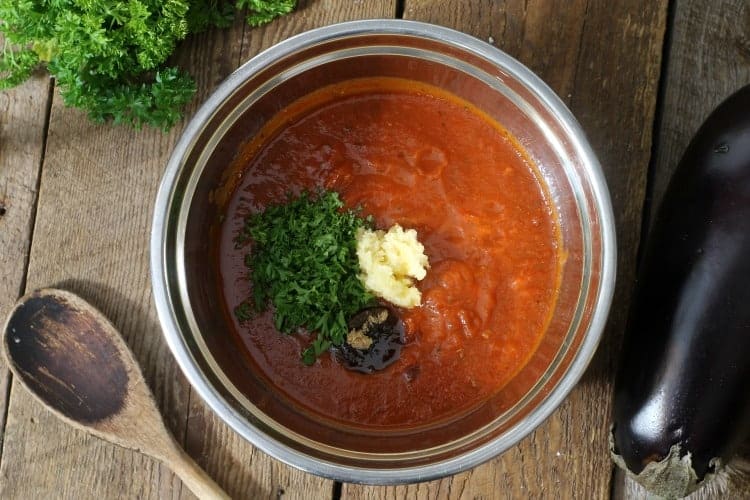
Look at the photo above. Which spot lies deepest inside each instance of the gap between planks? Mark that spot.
(27, 251)
(614, 485)
(656, 139)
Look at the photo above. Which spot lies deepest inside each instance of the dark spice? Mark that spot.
(385, 332)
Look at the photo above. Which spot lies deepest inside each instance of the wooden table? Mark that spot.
(76, 203)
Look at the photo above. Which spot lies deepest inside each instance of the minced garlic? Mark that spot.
(390, 262)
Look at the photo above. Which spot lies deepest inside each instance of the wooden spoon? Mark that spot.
(68, 355)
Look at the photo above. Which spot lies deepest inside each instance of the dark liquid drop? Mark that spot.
(387, 339)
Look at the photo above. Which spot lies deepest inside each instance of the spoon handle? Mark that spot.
(193, 476)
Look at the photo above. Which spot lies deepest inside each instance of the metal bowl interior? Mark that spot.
(187, 216)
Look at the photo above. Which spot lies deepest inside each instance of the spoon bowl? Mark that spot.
(74, 361)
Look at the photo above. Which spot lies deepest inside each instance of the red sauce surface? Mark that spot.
(412, 155)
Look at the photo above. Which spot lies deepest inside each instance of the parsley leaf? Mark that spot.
(263, 11)
(109, 56)
(303, 261)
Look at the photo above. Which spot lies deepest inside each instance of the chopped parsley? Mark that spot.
(303, 261)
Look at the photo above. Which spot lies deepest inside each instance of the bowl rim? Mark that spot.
(179, 347)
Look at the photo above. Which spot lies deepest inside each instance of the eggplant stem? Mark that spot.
(670, 478)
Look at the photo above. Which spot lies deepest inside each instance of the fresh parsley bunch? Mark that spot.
(108, 57)
(304, 262)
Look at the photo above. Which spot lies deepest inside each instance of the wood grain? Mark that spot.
(708, 59)
(603, 59)
(23, 112)
(91, 236)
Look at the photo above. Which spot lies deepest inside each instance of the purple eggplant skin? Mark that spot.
(684, 375)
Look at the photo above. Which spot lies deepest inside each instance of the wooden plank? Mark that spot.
(603, 59)
(708, 59)
(91, 236)
(23, 112)
(245, 471)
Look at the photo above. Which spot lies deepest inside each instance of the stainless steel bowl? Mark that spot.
(185, 284)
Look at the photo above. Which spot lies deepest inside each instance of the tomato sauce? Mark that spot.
(411, 154)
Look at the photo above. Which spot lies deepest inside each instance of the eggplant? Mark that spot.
(681, 404)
